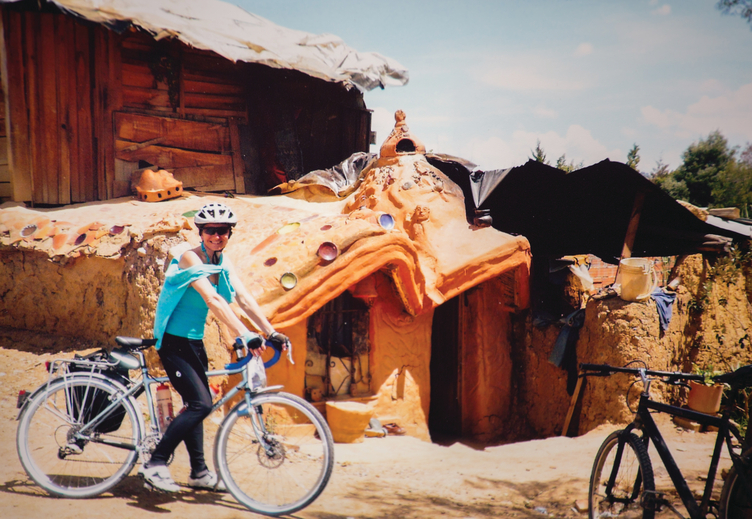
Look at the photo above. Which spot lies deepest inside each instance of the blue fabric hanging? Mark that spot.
(664, 302)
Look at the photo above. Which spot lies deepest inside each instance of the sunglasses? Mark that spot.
(216, 230)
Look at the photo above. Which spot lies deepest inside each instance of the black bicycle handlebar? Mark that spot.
(739, 378)
(605, 370)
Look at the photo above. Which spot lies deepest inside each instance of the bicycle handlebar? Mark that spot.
(245, 360)
(134, 343)
(737, 379)
(605, 370)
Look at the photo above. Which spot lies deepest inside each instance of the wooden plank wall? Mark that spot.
(181, 110)
(47, 60)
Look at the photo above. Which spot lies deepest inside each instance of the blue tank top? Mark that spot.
(189, 317)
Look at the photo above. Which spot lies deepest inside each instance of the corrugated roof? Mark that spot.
(239, 35)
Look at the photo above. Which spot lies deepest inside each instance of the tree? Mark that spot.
(746, 154)
(633, 157)
(742, 8)
(703, 162)
(660, 171)
(538, 154)
(663, 177)
(561, 163)
(677, 189)
(733, 187)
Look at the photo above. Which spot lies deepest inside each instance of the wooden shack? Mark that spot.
(85, 106)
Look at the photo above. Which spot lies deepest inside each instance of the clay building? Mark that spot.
(391, 297)
(221, 98)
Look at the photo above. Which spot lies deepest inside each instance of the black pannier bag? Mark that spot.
(95, 400)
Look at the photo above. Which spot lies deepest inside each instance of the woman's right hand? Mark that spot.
(253, 342)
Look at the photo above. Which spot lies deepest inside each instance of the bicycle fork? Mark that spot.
(256, 415)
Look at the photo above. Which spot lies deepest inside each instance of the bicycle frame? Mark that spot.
(147, 381)
(726, 430)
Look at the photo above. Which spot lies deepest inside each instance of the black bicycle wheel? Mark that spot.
(64, 464)
(622, 476)
(736, 498)
(287, 473)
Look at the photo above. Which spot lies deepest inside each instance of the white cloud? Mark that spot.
(584, 49)
(713, 86)
(730, 113)
(529, 73)
(578, 144)
(544, 112)
(663, 10)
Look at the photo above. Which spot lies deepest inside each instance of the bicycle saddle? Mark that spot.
(134, 343)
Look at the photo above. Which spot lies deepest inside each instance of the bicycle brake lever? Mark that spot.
(289, 352)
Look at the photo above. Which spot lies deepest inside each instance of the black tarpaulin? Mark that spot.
(588, 211)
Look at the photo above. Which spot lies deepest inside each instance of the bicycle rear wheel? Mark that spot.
(68, 466)
(291, 470)
(736, 499)
(622, 476)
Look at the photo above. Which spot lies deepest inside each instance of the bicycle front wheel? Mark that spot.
(621, 484)
(736, 498)
(277, 457)
(72, 465)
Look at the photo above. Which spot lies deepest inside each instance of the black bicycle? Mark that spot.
(622, 483)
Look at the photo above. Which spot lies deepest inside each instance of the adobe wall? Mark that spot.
(710, 326)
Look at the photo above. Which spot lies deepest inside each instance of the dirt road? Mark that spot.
(393, 477)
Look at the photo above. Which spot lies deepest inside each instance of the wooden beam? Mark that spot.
(17, 119)
(634, 223)
(572, 405)
(32, 92)
(237, 156)
(65, 108)
(206, 178)
(176, 133)
(83, 176)
(167, 157)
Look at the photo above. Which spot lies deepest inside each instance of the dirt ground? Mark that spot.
(399, 477)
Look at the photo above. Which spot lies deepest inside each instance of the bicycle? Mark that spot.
(83, 431)
(622, 482)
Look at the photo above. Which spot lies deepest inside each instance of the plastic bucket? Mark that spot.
(638, 278)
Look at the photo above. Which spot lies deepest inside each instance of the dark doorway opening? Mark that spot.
(444, 415)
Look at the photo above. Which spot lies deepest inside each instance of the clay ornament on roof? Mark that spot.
(402, 183)
(155, 187)
(400, 141)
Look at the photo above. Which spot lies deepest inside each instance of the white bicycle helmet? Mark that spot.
(215, 213)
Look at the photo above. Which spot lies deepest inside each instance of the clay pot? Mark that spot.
(154, 187)
(704, 399)
(348, 420)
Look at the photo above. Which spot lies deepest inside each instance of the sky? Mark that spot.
(586, 78)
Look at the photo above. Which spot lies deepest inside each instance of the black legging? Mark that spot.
(186, 364)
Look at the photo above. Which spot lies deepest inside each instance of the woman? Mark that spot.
(202, 279)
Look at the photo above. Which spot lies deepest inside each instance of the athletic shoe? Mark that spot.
(158, 478)
(207, 481)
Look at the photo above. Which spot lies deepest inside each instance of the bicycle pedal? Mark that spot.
(653, 500)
